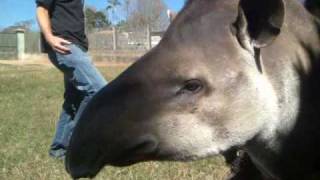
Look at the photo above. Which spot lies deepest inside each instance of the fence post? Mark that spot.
(20, 43)
(115, 38)
(40, 45)
(149, 40)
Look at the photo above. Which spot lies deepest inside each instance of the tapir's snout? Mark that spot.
(81, 171)
(106, 137)
(86, 158)
(80, 163)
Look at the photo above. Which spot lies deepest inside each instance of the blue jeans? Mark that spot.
(81, 80)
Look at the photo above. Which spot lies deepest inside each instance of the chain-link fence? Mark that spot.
(120, 39)
(117, 44)
(109, 44)
(8, 46)
(32, 43)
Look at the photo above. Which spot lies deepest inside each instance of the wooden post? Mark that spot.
(149, 40)
(20, 43)
(115, 38)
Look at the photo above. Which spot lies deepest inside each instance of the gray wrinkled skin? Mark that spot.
(211, 85)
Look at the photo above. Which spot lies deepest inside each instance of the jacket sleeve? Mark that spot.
(45, 3)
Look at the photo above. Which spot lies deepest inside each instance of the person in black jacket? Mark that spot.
(62, 23)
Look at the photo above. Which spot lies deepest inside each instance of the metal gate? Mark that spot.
(8, 46)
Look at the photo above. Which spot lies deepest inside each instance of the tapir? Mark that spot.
(228, 74)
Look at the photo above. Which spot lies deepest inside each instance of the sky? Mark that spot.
(12, 11)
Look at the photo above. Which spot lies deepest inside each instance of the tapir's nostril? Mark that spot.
(83, 162)
(145, 145)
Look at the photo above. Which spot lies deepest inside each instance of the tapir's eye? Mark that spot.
(191, 86)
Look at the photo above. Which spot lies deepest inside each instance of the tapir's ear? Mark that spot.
(259, 22)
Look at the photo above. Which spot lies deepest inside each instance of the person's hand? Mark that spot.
(59, 44)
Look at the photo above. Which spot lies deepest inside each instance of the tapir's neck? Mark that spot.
(292, 65)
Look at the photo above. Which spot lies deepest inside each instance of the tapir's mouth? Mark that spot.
(91, 172)
(142, 152)
(84, 170)
(125, 160)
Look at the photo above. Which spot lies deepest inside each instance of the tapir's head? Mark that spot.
(198, 93)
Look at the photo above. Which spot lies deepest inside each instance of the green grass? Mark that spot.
(30, 101)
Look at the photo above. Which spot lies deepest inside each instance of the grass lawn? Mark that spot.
(30, 101)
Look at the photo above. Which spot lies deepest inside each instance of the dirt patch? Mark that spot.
(42, 60)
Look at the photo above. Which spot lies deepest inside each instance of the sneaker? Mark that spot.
(58, 153)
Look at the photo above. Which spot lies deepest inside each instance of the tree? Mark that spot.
(95, 19)
(126, 8)
(123, 25)
(101, 20)
(25, 25)
(112, 7)
(151, 13)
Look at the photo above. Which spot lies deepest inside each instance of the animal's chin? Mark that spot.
(90, 172)
(84, 172)
(127, 161)
(184, 157)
